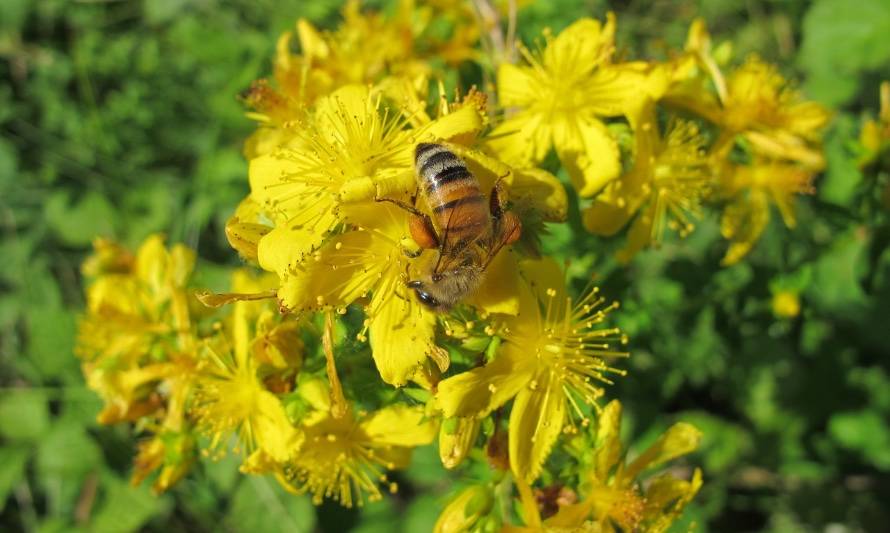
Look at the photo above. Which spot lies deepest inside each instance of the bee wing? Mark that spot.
(502, 236)
(450, 254)
(449, 259)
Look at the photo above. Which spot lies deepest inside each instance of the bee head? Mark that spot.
(423, 295)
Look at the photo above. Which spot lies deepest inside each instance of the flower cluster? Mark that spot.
(322, 367)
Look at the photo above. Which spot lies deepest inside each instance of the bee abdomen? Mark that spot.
(437, 166)
(457, 202)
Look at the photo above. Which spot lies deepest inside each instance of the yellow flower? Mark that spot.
(875, 135)
(246, 227)
(108, 257)
(369, 262)
(229, 396)
(762, 107)
(551, 362)
(137, 322)
(170, 452)
(666, 185)
(559, 99)
(750, 189)
(363, 49)
(367, 48)
(694, 71)
(346, 458)
(137, 345)
(466, 511)
(786, 304)
(613, 492)
(456, 439)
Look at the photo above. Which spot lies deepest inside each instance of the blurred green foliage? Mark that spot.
(122, 118)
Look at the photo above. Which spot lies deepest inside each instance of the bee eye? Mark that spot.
(426, 298)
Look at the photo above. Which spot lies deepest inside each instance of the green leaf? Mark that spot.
(67, 452)
(281, 511)
(842, 177)
(224, 472)
(65, 456)
(126, 508)
(836, 286)
(12, 469)
(77, 224)
(51, 334)
(723, 443)
(839, 41)
(160, 11)
(426, 468)
(8, 163)
(12, 14)
(864, 431)
(24, 414)
(422, 513)
(378, 517)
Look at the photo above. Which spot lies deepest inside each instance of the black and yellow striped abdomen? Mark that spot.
(458, 207)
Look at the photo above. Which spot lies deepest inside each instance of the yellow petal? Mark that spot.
(400, 425)
(806, 118)
(410, 95)
(244, 230)
(499, 289)
(465, 120)
(540, 191)
(571, 517)
(583, 45)
(666, 498)
(608, 443)
(517, 86)
(522, 140)
(678, 440)
(456, 438)
(589, 154)
(617, 89)
(272, 185)
(181, 265)
(785, 145)
(479, 391)
(605, 218)
(463, 512)
(640, 234)
(272, 429)
(312, 44)
(401, 334)
(535, 425)
(542, 276)
(286, 247)
(151, 262)
(316, 392)
(742, 223)
(349, 101)
(211, 299)
(487, 169)
(346, 268)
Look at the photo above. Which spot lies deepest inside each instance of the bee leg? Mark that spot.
(422, 230)
(407, 207)
(508, 228)
(497, 203)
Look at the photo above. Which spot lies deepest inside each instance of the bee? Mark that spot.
(466, 228)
